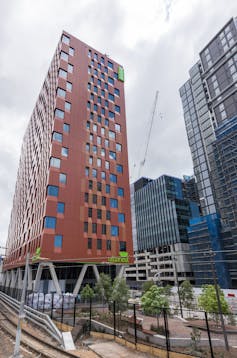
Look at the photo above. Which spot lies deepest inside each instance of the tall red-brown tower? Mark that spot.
(72, 196)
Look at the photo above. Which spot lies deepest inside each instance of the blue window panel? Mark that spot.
(111, 115)
(95, 89)
(58, 137)
(59, 113)
(52, 190)
(117, 109)
(103, 93)
(89, 86)
(62, 73)
(102, 60)
(103, 175)
(102, 76)
(50, 222)
(121, 218)
(58, 241)
(95, 107)
(88, 104)
(62, 178)
(106, 86)
(64, 152)
(117, 92)
(103, 111)
(91, 115)
(66, 39)
(111, 97)
(69, 86)
(66, 128)
(114, 230)
(113, 203)
(106, 70)
(86, 171)
(107, 189)
(119, 168)
(111, 80)
(106, 103)
(115, 75)
(99, 66)
(99, 81)
(99, 119)
(94, 173)
(122, 246)
(61, 92)
(113, 178)
(60, 208)
(64, 56)
(112, 155)
(120, 192)
(106, 122)
(110, 65)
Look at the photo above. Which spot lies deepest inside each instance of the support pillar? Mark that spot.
(20, 279)
(53, 274)
(121, 271)
(13, 278)
(80, 279)
(29, 278)
(38, 277)
(96, 273)
(8, 278)
(54, 278)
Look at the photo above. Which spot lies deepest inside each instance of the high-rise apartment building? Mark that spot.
(72, 196)
(162, 209)
(209, 100)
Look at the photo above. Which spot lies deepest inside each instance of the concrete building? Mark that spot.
(71, 206)
(162, 214)
(209, 100)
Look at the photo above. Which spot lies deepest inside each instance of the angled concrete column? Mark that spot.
(4, 277)
(29, 287)
(96, 272)
(8, 279)
(80, 279)
(13, 278)
(54, 277)
(19, 278)
(121, 271)
(38, 277)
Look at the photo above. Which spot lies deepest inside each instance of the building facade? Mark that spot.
(72, 195)
(162, 214)
(209, 100)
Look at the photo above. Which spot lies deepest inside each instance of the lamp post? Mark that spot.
(177, 283)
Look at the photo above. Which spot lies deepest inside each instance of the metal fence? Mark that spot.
(189, 331)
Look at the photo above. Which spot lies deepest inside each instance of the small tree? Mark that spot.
(167, 290)
(154, 301)
(186, 294)
(103, 287)
(87, 292)
(208, 301)
(120, 294)
(147, 285)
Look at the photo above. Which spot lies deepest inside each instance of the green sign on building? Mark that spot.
(120, 74)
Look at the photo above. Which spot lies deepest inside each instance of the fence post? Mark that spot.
(38, 301)
(32, 303)
(51, 315)
(135, 323)
(166, 331)
(43, 302)
(209, 335)
(90, 314)
(114, 308)
(74, 311)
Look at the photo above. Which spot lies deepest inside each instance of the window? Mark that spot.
(107, 143)
(89, 86)
(91, 160)
(122, 246)
(71, 51)
(107, 189)
(99, 119)
(65, 39)
(110, 65)
(99, 244)
(95, 128)
(102, 152)
(99, 100)
(94, 149)
(91, 115)
(89, 69)
(103, 229)
(86, 197)
(117, 127)
(106, 86)
(55, 162)
(88, 105)
(85, 226)
(102, 60)
(52, 190)
(103, 175)
(99, 140)
(106, 164)
(106, 69)
(117, 108)
(60, 208)
(99, 214)
(98, 162)
(91, 137)
(120, 192)
(89, 243)
(64, 152)
(108, 245)
(58, 241)
(86, 171)
(90, 212)
(111, 80)
(103, 200)
(94, 199)
(63, 56)
(99, 81)
(59, 113)
(66, 128)
(62, 178)
(94, 173)
(115, 75)
(116, 92)
(119, 168)
(118, 147)
(121, 218)
(88, 124)
(111, 97)
(112, 155)
(58, 137)
(113, 203)
(90, 184)
(99, 186)
(108, 215)
(70, 68)
(69, 86)
(106, 103)
(106, 122)
(111, 115)
(67, 106)
(62, 73)
(103, 111)
(95, 89)
(113, 178)
(50, 222)
(92, 96)
(87, 147)
(103, 93)
(94, 228)
(111, 135)
(95, 56)
(89, 53)
(114, 230)
(102, 131)
(61, 92)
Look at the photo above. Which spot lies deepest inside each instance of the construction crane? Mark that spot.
(142, 163)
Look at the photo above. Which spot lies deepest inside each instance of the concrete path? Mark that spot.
(115, 350)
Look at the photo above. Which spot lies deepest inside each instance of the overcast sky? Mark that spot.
(157, 41)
